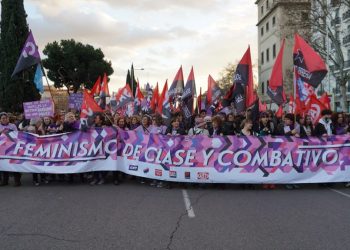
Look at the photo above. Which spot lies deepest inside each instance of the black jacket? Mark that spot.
(179, 131)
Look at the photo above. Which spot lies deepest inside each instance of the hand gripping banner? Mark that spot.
(200, 159)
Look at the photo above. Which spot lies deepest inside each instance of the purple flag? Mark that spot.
(29, 56)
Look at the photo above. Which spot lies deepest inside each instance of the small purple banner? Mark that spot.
(75, 100)
(33, 110)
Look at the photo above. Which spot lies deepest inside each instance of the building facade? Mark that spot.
(59, 97)
(341, 26)
(279, 19)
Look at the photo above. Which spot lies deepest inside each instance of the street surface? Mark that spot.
(137, 216)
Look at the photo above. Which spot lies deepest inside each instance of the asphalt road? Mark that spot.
(136, 216)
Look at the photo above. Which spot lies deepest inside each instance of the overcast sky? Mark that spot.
(157, 35)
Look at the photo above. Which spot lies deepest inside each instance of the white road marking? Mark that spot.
(339, 192)
(189, 208)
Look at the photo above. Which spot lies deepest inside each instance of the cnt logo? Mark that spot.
(158, 172)
(133, 168)
(172, 174)
(203, 176)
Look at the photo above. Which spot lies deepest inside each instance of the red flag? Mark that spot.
(164, 104)
(139, 95)
(177, 86)
(315, 108)
(275, 88)
(262, 107)
(124, 95)
(162, 98)
(188, 96)
(326, 100)
(96, 89)
(214, 92)
(139, 98)
(296, 106)
(308, 64)
(155, 99)
(104, 88)
(251, 96)
(242, 90)
(88, 109)
(279, 112)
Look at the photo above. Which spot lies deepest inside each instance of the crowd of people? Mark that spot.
(220, 124)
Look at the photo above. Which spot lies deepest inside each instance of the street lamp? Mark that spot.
(132, 80)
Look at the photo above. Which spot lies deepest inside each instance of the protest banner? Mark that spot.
(63, 153)
(75, 101)
(38, 109)
(235, 159)
(199, 159)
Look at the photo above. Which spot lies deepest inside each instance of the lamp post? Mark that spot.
(132, 79)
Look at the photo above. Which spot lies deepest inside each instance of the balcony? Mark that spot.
(335, 21)
(346, 66)
(346, 39)
(346, 15)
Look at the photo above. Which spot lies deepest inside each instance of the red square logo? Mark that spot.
(158, 172)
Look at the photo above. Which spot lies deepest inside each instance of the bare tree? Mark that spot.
(325, 23)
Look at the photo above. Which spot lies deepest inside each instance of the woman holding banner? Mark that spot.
(145, 125)
(6, 125)
(216, 129)
(174, 128)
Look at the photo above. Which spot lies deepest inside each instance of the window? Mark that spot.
(262, 58)
(262, 31)
(267, 27)
(337, 88)
(267, 55)
(273, 21)
(262, 10)
(267, 4)
(274, 51)
(304, 16)
(262, 88)
(337, 13)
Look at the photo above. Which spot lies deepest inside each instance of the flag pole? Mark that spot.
(108, 118)
(47, 82)
(295, 95)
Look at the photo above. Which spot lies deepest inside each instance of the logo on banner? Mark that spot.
(237, 77)
(315, 111)
(158, 172)
(239, 98)
(172, 174)
(187, 175)
(133, 168)
(203, 176)
(146, 170)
